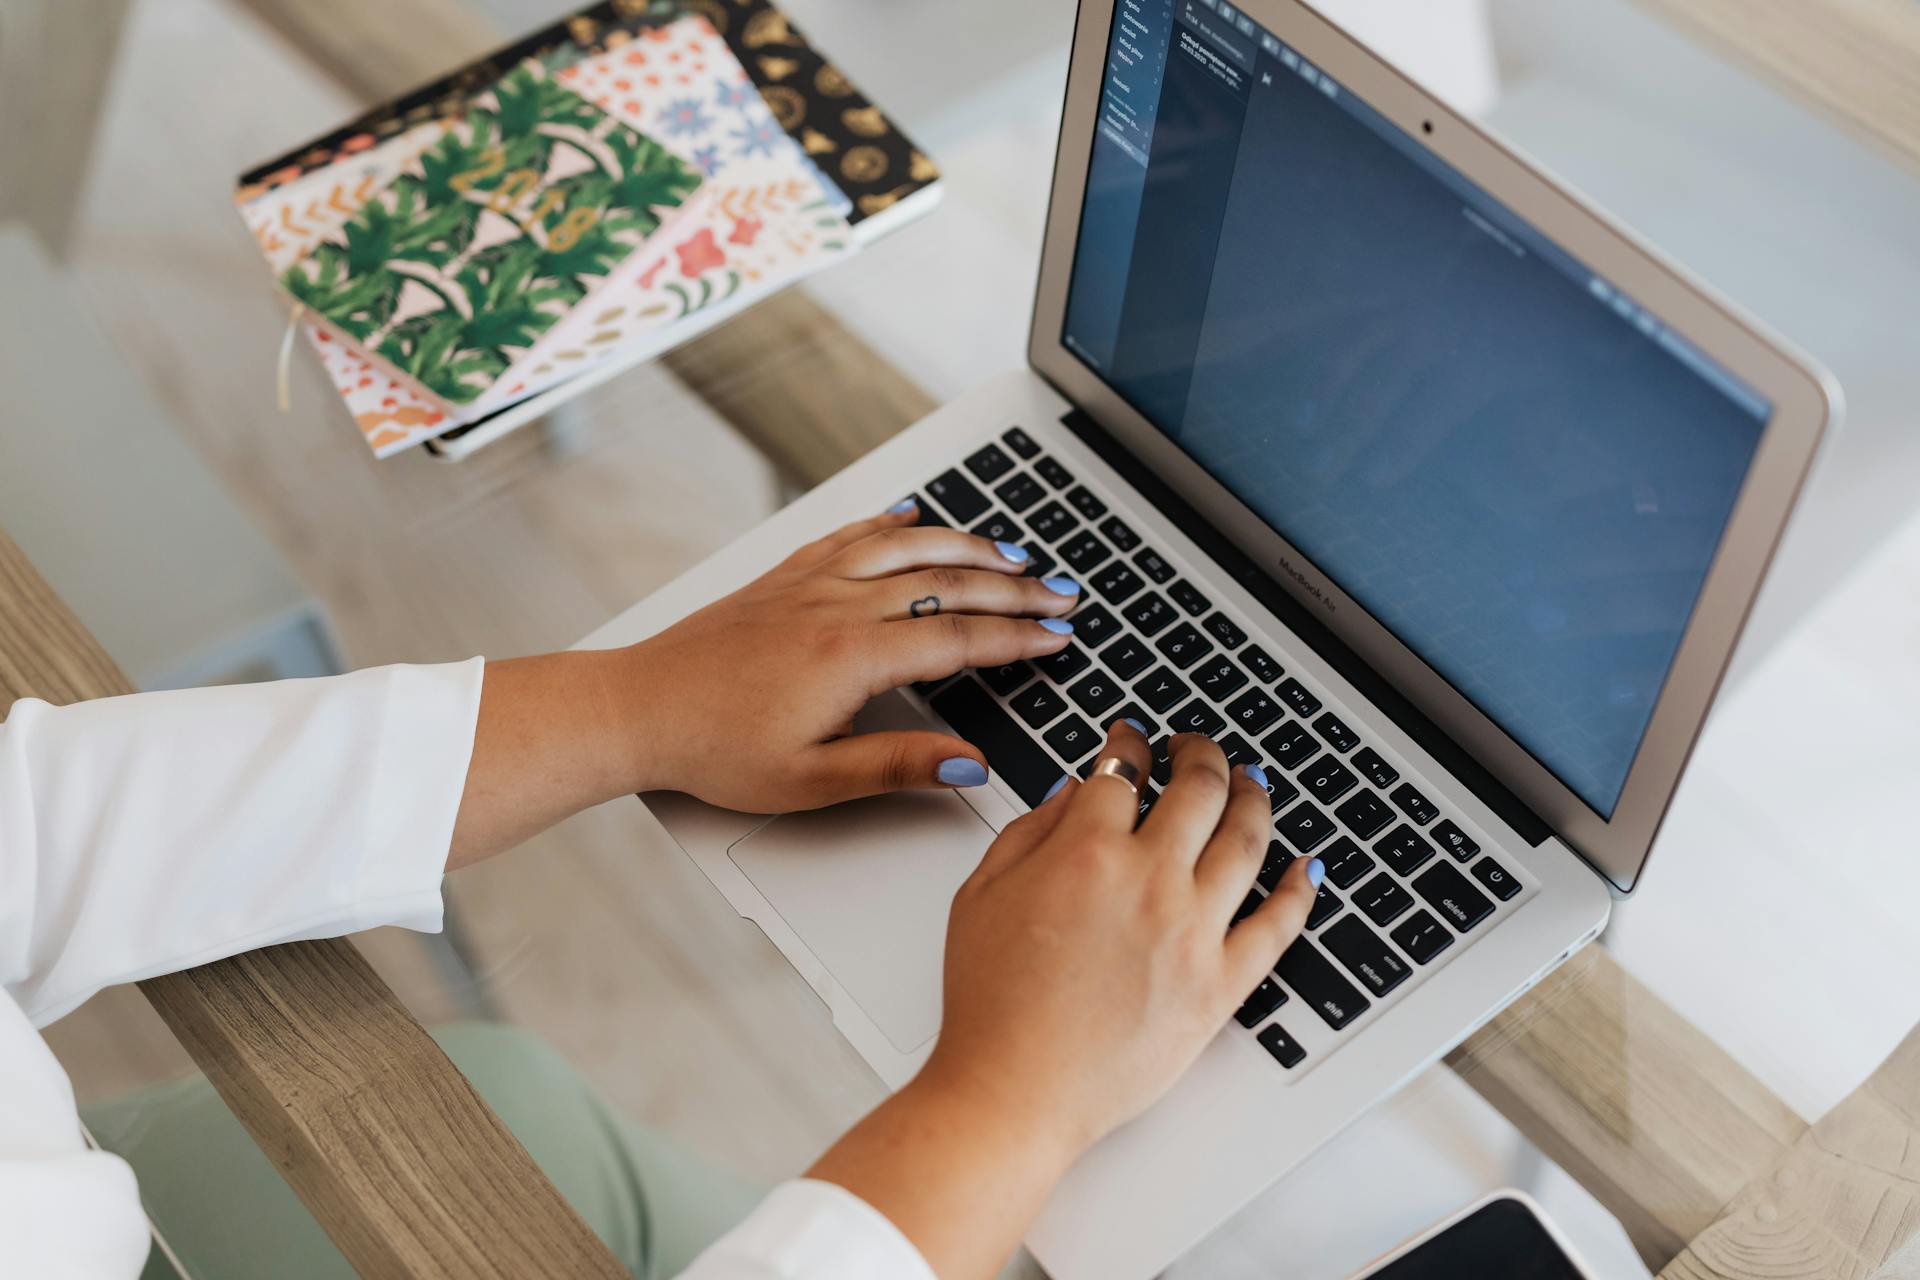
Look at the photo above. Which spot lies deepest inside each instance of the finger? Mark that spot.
(885, 552)
(935, 648)
(1106, 803)
(1233, 854)
(1024, 834)
(901, 515)
(871, 764)
(946, 590)
(1194, 798)
(1255, 944)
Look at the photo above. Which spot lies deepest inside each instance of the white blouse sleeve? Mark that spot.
(150, 833)
(809, 1230)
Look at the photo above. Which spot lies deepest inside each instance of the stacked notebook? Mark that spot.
(468, 256)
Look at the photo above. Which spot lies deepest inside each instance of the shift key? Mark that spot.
(1315, 980)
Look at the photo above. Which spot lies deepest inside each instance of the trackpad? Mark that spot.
(866, 886)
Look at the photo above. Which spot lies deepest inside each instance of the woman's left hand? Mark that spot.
(749, 703)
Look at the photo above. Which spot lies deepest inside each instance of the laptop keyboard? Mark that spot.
(1405, 883)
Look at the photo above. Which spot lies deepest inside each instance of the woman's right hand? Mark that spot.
(1089, 961)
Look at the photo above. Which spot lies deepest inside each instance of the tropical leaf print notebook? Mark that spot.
(520, 212)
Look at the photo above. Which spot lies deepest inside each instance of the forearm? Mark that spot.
(556, 734)
(962, 1175)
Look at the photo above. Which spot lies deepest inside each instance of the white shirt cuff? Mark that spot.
(810, 1230)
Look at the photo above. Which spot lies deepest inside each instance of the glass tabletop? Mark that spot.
(1773, 909)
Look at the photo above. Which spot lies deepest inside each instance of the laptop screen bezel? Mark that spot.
(1805, 399)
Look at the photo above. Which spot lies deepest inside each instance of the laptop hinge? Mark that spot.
(1313, 632)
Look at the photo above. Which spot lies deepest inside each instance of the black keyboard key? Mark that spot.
(1279, 858)
(1253, 711)
(1403, 850)
(1082, 500)
(1162, 760)
(1346, 862)
(1304, 827)
(1315, 980)
(1120, 534)
(1447, 892)
(1064, 665)
(1326, 779)
(1196, 717)
(1148, 795)
(1117, 583)
(1084, 551)
(1336, 733)
(1261, 663)
(1285, 1049)
(1498, 880)
(957, 494)
(1015, 756)
(1414, 805)
(1366, 955)
(1020, 442)
(1218, 678)
(999, 528)
(1037, 704)
(1237, 750)
(1377, 771)
(1382, 899)
(1295, 695)
(1004, 680)
(1188, 597)
(1094, 625)
(1153, 564)
(1364, 813)
(1223, 629)
(990, 463)
(1422, 937)
(1053, 522)
(1072, 738)
(930, 517)
(1161, 689)
(1128, 657)
(1039, 563)
(1019, 492)
(1150, 614)
(1326, 905)
(1280, 791)
(1096, 693)
(1265, 999)
(1184, 646)
(1053, 473)
(1290, 745)
(1138, 714)
(1248, 905)
(1454, 840)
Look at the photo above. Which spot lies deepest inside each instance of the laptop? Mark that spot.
(1386, 461)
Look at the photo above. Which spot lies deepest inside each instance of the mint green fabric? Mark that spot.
(229, 1216)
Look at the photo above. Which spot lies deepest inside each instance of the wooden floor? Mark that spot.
(599, 935)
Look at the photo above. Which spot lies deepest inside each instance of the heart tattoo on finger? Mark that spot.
(924, 607)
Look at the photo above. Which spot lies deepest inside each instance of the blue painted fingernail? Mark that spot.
(962, 771)
(1316, 872)
(1059, 626)
(1054, 790)
(1013, 551)
(1255, 772)
(1137, 726)
(1061, 586)
(902, 507)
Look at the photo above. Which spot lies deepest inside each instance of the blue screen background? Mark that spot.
(1521, 484)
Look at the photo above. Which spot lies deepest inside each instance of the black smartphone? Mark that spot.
(1503, 1237)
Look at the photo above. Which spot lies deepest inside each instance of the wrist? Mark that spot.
(1000, 1109)
(625, 700)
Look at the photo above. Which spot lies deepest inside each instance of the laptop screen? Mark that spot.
(1507, 461)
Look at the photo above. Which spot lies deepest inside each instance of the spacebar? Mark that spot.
(973, 713)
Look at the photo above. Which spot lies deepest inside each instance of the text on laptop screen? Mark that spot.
(1514, 467)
